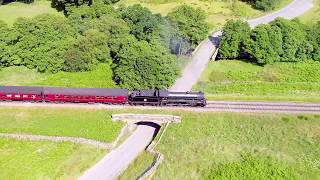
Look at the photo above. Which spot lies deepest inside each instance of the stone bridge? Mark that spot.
(155, 118)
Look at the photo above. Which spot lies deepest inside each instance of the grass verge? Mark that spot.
(232, 146)
(91, 124)
(137, 167)
(22, 76)
(238, 80)
(313, 15)
(12, 11)
(45, 160)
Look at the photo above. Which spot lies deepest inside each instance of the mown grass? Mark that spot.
(235, 146)
(45, 160)
(313, 15)
(12, 11)
(91, 124)
(22, 76)
(238, 80)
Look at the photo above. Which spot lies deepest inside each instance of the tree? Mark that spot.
(295, 44)
(87, 52)
(313, 35)
(41, 42)
(142, 22)
(265, 5)
(265, 44)
(139, 65)
(191, 23)
(235, 33)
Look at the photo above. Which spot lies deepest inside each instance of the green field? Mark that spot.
(91, 124)
(238, 80)
(239, 146)
(10, 12)
(45, 160)
(22, 76)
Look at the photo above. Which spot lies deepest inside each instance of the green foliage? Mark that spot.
(87, 52)
(265, 44)
(191, 23)
(39, 43)
(265, 5)
(136, 43)
(142, 22)
(235, 33)
(141, 65)
(250, 167)
(281, 41)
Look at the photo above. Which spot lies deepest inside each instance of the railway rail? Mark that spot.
(212, 106)
(295, 108)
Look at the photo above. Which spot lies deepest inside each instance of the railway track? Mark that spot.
(212, 106)
(264, 107)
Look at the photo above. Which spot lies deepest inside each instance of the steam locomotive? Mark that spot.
(101, 95)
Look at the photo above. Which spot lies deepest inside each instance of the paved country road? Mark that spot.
(119, 159)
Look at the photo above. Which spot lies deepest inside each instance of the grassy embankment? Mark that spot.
(45, 160)
(22, 76)
(12, 11)
(238, 146)
(238, 80)
(91, 124)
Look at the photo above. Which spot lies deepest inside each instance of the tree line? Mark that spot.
(280, 41)
(265, 5)
(141, 47)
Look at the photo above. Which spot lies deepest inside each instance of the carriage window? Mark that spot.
(9, 95)
(17, 96)
(24, 96)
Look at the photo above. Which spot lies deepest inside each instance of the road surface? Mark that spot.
(117, 161)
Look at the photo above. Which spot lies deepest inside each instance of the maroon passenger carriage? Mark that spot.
(53, 94)
(85, 95)
(20, 93)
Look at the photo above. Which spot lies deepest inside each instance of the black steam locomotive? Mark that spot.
(166, 98)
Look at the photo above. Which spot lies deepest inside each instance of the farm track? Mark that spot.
(212, 106)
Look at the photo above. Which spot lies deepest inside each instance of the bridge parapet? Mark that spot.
(156, 118)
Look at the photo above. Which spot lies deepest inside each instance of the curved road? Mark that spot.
(201, 58)
(119, 159)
